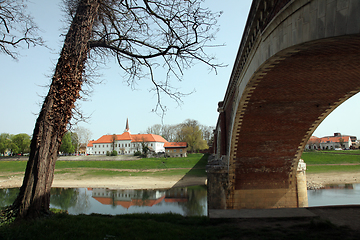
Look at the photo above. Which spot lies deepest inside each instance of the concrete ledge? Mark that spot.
(261, 213)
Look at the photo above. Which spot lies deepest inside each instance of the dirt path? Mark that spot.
(80, 179)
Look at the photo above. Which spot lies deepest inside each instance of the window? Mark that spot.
(180, 150)
(103, 145)
(174, 150)
(107, 145)
(94, 146)
(115, 145)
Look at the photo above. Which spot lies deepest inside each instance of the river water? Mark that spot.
(187, 201)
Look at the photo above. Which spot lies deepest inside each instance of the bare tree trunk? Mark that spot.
(34, 197)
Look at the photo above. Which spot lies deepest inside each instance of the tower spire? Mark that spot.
(127, 129)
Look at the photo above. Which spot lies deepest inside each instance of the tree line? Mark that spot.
(11, 144)
(197, 136)
(14, 144)
(72, 140)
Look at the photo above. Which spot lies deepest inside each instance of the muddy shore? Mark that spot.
(73, 180)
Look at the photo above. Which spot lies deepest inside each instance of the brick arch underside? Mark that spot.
(286, 105)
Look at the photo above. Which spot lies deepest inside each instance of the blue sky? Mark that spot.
(112, 102)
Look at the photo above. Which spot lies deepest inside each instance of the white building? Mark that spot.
(125, 143)
(337, 141)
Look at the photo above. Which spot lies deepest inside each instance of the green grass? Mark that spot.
(145, 163)
(332, 168)
(332, 161)
(12, 166)
(193, 165)
(161, 226)
(331, 157)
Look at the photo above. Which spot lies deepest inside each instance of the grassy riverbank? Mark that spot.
(170, 226)
(332, 161)
(193, 164)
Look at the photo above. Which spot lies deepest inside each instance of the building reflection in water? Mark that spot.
(129, 197)
(187, 201)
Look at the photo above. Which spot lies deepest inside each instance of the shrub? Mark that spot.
(114, 153)
(137, 153)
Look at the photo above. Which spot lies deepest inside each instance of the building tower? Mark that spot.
(127, 129)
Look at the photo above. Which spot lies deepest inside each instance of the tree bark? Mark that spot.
(34, 197)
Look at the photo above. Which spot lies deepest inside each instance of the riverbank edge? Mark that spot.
(314, 180)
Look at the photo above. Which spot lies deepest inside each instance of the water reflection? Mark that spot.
(188, 201)
(70, 198)
(8, 196)
(341, 194)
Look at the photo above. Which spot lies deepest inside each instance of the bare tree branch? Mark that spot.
(144, 34)
(17, 28)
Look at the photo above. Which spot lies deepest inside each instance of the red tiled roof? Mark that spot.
(175, 144)
(314, 140)
(132, 202)
(147, 138)
(124, 136)
(90, 144)
(334, 139)
(131, 137)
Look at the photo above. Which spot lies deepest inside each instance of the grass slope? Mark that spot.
(173, 166)
(332, 161)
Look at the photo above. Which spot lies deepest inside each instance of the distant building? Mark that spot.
(313, 143)
(128, 143)
(176, 149)
(89, 148)
(337, 141)
(82, 149)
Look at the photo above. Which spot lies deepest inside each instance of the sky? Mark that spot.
(24, 83)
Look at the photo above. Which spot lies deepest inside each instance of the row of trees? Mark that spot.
(20, 143)
(14, 144)
(73, 140)
(197, 136)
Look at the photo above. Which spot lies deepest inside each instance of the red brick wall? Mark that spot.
(286, 106)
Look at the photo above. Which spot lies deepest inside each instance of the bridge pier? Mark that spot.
(220, 196)
(301, 184)
(217, 183)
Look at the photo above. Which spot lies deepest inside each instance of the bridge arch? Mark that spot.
(288, 76)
